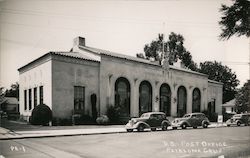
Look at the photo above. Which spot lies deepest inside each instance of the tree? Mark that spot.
(242, 104)
(153, 49)
(2, 94)
(235, 19)
(186, 58)
(221, 73)
(41, 115)
(13, 91)
(174, 46)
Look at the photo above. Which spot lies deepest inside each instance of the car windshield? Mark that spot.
(144, 115)
(186, 116)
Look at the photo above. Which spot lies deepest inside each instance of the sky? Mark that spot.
(31, 28)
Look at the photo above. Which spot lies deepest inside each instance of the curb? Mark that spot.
(79, 134)
(61, 135)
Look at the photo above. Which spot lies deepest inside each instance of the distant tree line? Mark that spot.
(12, 92)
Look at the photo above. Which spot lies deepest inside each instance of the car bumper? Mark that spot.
(130, 126)
(174, 125)
(231, 123)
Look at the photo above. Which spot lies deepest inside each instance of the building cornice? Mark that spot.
(46, 57)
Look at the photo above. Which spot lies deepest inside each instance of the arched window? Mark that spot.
(181, 101)
(145, 97)
(122, 96)
(196, 104)
(165, 99)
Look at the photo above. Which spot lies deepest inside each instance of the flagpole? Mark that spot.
(163, 54)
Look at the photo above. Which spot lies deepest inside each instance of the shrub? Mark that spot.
(86, 120)
(41, 115)
(212, 116)
(102, 120)
(113, 113)
(227, 116)
(61, 121)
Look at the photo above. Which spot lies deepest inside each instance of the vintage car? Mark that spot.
(150, 120)
(191, 120)
(239, 119)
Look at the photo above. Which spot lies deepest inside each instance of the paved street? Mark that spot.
(211, 142)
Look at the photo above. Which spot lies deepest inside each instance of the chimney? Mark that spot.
(79, 41)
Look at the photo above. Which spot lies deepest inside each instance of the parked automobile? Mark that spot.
(151, 120)
(191, 120)
(239, 119)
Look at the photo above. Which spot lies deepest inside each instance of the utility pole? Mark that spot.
(165, 58)
(248, 110)
(249, 61)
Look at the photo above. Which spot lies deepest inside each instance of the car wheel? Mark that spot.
(238, 123)
(140, 128)
(205, 125)
(153, 129)
(164, 127)
(129, 130)
(184, 126)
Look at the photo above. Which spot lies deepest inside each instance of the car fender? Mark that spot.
(205, 121)
(141, 122)
(165, 121)
(238, 121)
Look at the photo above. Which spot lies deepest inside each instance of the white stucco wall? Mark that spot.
(215, 91)
(70, 72)
(59, 74)
(112, 68)
(37, 74)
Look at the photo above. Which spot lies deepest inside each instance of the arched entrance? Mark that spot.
(145, 97)
(181, 101)
(122, 96)
(165, 99)
(196, 103)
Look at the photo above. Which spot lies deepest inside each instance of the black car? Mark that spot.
(191, 120)
(239, 119)
(151, 120)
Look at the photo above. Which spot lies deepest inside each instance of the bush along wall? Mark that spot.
(41, 115)
(114, 114)
(212, 116)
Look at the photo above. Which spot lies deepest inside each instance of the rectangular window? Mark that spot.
(35, 96)
(41, 94)
(79, 98)
(25, 99)
(30, 100)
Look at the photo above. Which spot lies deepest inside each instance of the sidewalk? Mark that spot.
(6, 134)
(53, 133)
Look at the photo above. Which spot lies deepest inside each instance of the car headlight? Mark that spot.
(133, 121)
(176, 121)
